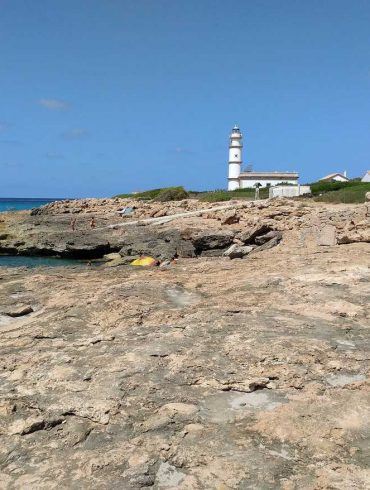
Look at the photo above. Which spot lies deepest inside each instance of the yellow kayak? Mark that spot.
(144, 261)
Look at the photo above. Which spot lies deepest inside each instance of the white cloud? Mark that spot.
(54, 104)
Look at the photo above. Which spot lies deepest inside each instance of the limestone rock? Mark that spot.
(182, 409)
(33, 424)
(159, 245)
(327, 236)
(237, 251)
(18, 310)
(121, 261)
(355, 236)
(112, 256)
(269, 244)
(230, 217)
(210, 374)
(248, 236)
(208, 240)
(260, 240)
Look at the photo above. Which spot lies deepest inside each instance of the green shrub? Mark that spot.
(153, 194)
(354, 193)
(223, 195)
(171, 194)
(320, 187)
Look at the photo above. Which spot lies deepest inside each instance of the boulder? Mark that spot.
(237, 251)
(260, 240)
(18, 310)
(212, 239)
(354, 237)
(270, 244)
(121, 261)
(230, 217)
(249, 235)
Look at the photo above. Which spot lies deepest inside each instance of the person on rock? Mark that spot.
(92, 223)
(73, 224)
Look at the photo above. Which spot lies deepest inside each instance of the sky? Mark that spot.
(100, 97)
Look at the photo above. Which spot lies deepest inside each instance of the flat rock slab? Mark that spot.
(327, 236)
(229, 406)
(17, 310)
(210, 373)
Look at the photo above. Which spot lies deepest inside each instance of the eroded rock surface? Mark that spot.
(210, 373)
(50, 231)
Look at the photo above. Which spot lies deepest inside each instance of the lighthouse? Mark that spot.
(235, 158)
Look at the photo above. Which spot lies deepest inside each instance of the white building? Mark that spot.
(366, 177)
(337, 177)
(241, 180)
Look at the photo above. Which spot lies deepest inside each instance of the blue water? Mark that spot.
(17, 204)
(20, 261)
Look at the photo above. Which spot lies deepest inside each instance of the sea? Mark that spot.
(19, 203)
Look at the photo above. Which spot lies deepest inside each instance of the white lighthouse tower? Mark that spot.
(235, 158)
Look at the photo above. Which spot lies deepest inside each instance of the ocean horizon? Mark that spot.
(23, 203)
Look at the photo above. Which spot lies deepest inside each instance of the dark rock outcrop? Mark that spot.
(163, 245)
(78, 245)
(248, 236)
(213, 240)
(260, 240)
(269, 244)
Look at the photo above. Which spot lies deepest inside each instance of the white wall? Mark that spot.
(289, 191)
(234, 170)
(366, 177)
(251, 183)
(233, 184)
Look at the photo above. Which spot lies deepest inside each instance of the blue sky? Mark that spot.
(106, 96)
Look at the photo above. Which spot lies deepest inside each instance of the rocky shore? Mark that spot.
(48, 230)
(242, 363)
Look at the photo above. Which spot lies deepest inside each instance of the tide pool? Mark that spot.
(31, 262)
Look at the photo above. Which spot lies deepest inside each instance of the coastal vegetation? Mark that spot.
(340, 192)
(335, 192)
(162, 194)
(223, 195)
